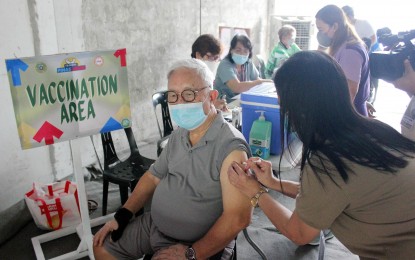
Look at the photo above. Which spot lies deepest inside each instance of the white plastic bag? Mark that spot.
(54, 206)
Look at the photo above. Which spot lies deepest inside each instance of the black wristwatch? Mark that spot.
(190, 253)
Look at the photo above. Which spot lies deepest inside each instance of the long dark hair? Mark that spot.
(315, 104)
(332, 14)
(244, 40)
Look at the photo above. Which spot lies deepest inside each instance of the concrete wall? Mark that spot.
(158, 32)
(18, 168)
(155, 33)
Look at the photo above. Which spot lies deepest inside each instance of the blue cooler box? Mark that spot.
(268, 102)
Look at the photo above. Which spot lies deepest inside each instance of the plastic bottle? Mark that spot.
(260, 136)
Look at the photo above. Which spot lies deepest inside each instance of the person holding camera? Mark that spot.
(342, 42)
(407, 81)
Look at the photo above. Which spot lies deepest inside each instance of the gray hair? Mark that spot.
(285, 30)
(197, 66)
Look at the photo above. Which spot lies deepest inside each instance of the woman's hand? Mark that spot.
(100, 236)
(244, 181)
(260, 81)
(262, 170)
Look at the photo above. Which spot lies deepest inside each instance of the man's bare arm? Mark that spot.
(237, 212)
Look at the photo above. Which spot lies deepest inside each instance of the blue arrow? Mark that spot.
(111, 125)
(13, 66)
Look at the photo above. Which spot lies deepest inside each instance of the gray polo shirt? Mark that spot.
(188, 199)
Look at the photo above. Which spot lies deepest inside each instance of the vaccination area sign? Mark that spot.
(66, 96)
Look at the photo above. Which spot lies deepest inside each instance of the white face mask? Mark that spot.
(212, 65)
(290, 42)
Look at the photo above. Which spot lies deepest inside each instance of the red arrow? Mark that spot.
(121, 53)
(47, 131)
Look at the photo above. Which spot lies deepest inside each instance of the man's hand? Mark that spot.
(100, 236)
(407, 81)
(175, 252)
(116, 226)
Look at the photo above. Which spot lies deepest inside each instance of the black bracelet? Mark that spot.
(122, 216)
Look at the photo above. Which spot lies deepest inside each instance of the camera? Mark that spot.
(389, 63)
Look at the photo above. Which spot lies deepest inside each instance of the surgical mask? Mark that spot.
(239, 59)
(188, 115)
(212, 65)
(290, 42)
(323, 39)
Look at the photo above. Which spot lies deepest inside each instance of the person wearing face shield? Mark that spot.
(208, 49)
(236, 72)
(283, 50)
(195, 212)
(341, 41)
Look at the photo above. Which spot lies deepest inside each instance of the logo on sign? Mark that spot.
(70, 64)
(41, 67)
(99, 61)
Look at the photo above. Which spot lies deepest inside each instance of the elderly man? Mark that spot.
(196, 213)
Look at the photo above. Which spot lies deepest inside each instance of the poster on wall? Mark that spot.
(66, 96)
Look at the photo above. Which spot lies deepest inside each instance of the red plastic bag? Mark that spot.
(54, 206)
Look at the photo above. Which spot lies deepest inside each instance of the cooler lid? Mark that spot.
(269, 99)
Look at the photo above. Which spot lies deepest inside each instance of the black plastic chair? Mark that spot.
(124, 173)
(159, 99)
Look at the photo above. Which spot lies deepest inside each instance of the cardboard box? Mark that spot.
(268, 102)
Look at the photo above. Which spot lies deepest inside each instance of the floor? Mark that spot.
(261, 231)
(390, 104)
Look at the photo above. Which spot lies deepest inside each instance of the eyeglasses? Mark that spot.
(187, 95)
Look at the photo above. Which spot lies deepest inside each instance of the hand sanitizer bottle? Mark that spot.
(260, 136)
